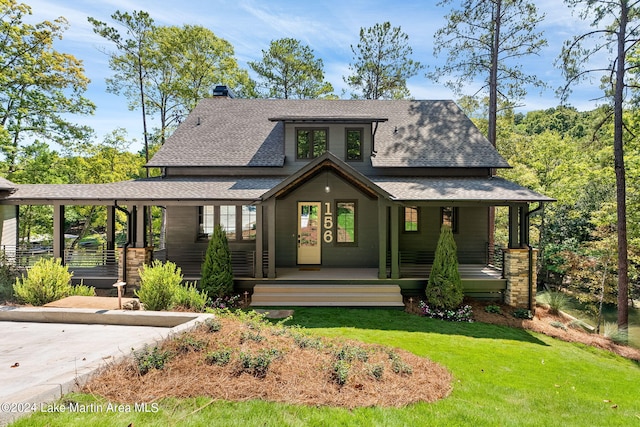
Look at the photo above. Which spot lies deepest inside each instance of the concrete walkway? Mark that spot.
(47, 352)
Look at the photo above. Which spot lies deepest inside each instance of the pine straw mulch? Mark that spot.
(542, 323)
(296, 375)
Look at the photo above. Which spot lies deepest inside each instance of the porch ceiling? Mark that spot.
(492, 190)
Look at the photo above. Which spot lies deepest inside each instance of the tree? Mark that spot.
(617, 36)
(289, 69)
(39, 86)
(382, 63)
(217, 275)
(185, 64)
(444, 288)
(486, 38)
(130, 60)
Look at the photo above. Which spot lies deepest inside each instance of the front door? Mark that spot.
(309, 248)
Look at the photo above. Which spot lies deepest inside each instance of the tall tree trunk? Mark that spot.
(618, 152)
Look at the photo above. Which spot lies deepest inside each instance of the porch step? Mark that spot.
(326, 295)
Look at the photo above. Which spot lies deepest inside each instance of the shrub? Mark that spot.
(460, 314)
(340, 372)
(226, 302)
(258, 364)
(493, 309)
(611, 331)
(190, 298)
(376, 371)
(187, 344)
(559, 325)
(212, 325)
(48, 280)
(147, 359)
(159, 283)
(217, 275)
(556, 301)
(398, 365)
(349, 353)
(219, 357)
(523, 313)
(444, 288)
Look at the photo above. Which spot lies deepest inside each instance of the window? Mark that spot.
(449, 216)
(248, 222)
(205, 214)
(346, 224)
(411, 218)
(354, 144)
(310, 143)
(227, 216)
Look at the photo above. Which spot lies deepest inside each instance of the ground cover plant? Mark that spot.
(501, 376)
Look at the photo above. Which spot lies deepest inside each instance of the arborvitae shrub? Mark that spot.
(444, 289)
(217, 275)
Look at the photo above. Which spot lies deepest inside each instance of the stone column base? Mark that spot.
(136, 258)
(516, 271)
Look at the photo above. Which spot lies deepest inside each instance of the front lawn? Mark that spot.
(502, 376)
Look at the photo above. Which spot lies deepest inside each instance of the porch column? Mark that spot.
(58, 232)
(271, 238)
(395, 239)
(513, 227)
(258, 273)
(524, 225)
(382, 239)
(111, 234)
(139, 231)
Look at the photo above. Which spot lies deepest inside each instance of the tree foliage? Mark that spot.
(487, 38)
(217, 274)
(39, 86)
(382, 63)
(289, 69)
(444, 288)
(615, 34)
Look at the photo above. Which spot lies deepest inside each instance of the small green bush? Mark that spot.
(340, 372)
(258, 364)
(376, 371)
(187, 344)
(219, 357)
(611, 331)
(559, 325)
(190, 298)
(523, 313)
(159, 283)
(150, 358)
(349, 353)
(48, 280)
(493, 309)
(212, 325)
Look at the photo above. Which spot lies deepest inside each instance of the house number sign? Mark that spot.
(327, 223)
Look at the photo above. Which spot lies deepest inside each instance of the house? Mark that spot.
(334, 202)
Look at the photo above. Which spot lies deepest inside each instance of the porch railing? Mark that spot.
(190, 262)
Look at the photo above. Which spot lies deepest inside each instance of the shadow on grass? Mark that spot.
(397, 320)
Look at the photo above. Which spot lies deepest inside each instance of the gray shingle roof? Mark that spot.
(238, 132)
(6, 185)
(471, 189)
(154, 189)
(159, 190)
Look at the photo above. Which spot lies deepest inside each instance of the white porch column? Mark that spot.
(382, 239)
(271, 238)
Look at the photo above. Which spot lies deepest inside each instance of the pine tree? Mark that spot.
(444, 289)
(217, 275)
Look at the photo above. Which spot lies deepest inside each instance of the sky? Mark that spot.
(329, 27)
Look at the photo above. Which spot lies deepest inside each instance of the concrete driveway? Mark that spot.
(47, 352)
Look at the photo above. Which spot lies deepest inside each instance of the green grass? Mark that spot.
(502, 376)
